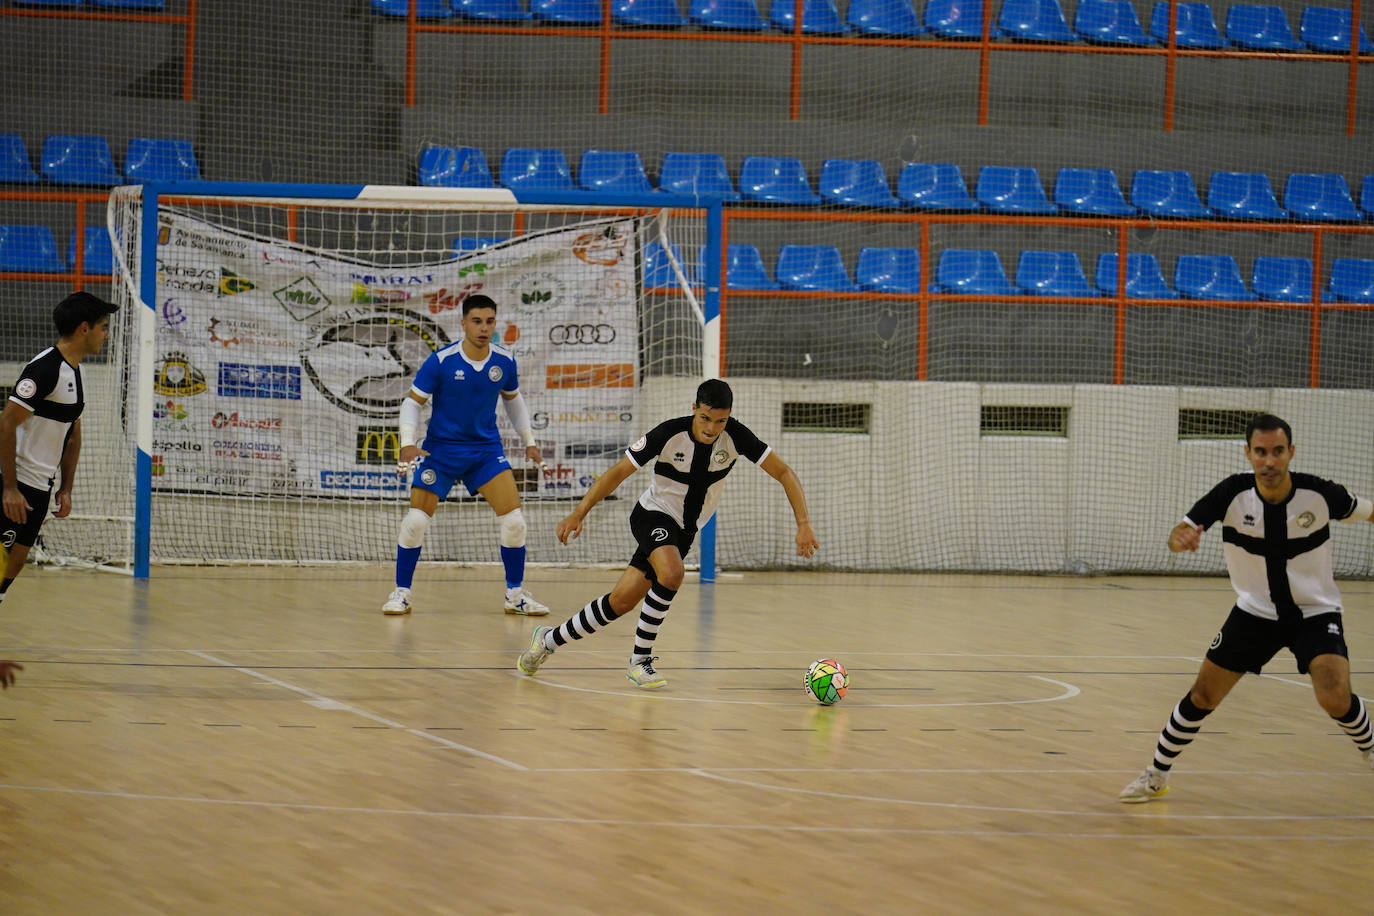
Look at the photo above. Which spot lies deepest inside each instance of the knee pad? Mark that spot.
(512, 529)
(413, 528)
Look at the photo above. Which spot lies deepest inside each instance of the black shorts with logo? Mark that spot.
(1246, 642)
(12, 532)
(653, 530)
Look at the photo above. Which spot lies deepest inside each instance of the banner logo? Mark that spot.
(231, 284)
(590, 375)
(301, 298)
(584, 334)
(378, 445)
(176, 377)
(605, 247)
(244, 380)
(365, 365)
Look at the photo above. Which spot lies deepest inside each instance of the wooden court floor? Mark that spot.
(264, 741)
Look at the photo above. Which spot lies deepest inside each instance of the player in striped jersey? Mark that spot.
(691, 457)
(1277, 540)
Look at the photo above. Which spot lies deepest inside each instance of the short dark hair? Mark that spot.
(1266, 421)
(715, 394)
(79, 307)
(478, 301)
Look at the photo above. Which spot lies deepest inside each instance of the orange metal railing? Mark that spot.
(80, 200)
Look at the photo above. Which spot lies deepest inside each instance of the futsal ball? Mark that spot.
(826, 681)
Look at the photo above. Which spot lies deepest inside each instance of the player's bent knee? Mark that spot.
(513, 528)
(413, 528)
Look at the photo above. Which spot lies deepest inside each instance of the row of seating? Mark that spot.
(1248, 26)
(1038, 273)
(79, 159)
(930, 186)
(33, 249)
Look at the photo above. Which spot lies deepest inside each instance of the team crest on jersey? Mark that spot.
(721, 456)
(643, 441)
(1306, 519)
(26, 388)
(495, 373)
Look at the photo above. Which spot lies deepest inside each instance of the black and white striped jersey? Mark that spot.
(688, 475)
(1279, 555)
(52, 388)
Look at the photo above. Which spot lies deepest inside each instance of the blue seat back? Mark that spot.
(1282, 279)
(1210, 276)
(856, 182)
(958, 19)
(1244, 195)
(1112, 22)
(466, 244)
(1195, 26)
(161, 159)
(894, 18)
(777, 179)
(128, 4)
(743, 267)
(97, 255)
(536, 169)
(1261, 28)
(29, 248)
(1352, 279)
(613, 170)
(658, 267)
(656, 13)
(1324, 29)
(79, 159)
(818, 267)
(427, 9)
(934, 186)
(1167, 192)
(15, 167)
(1144, 278)
(742, 15)
(1367, 195)
(1323, 196)
(1091, 191)
(450, 167)
(499, 10)
(1035, 20)
(1052, 273)
(888, 270)
(572, 12)
(973, 270)
(696, 173)
(1013, 189)
(819, 17)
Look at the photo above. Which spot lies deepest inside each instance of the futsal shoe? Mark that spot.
(1369, 758)
(530, 660)
(644, 675)
(519, 601)
(398, 603)
(1148, 786)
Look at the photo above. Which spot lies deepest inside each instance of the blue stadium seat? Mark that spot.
(570, 12)
(1367, 195)
(891, 18)
(29, 248)
(1352, 279)
(958, 19)
(615, 170)
(696, 173)
(97, 256)
(651, 13)
(1035, 20)
(976, 271)
(1013, 189)
(856, 182)
(1260, 28)
(1323, 197)
(1244, 195)
(1195, 26)
(1284, 279)
(777, 179)
(128, 4)
(426, 9)
(819, 17)
(1111, 22)
(1052, 273)
(1210, 276)
(742, 15)
(466, 244)
(84, 160)
(888, 270)
(934, 186)
(1328, 30)
(743, 267)
(498, 10)
(812, 267)
(15, 167)
(658, 268)
(1144, 279)
(161, 159)
(536, 170)
(1091, 191)
(454, 167)
(1167, 193)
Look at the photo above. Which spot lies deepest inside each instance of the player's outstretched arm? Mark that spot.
(1185, 536)
(782, 472)
(7, 670)
(604, 486)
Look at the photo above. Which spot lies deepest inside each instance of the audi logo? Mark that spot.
(585, 334)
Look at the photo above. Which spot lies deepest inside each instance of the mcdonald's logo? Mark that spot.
(590, 375)
(378, 445)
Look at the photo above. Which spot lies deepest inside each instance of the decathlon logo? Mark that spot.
(659, 534)
(364, 364)
(581, 334)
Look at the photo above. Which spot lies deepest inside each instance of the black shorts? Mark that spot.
(11, 532)
(1246, 642)
(653, 530)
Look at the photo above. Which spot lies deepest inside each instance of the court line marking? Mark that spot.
(324, 702)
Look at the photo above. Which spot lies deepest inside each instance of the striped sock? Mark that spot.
(1355, 722)
(650, 619)
(1180, 731)
(585, 622)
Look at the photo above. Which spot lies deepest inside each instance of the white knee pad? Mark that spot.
(512, 529)
(413, 528)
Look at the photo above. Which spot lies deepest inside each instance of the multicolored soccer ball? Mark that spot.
(826, 681)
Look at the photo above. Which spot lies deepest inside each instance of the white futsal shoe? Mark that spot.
(644, 675)
(1148, 786)
(398, 603)
(519, 601)
(530, 660)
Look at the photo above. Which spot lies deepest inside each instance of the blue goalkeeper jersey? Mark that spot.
(463, 394)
